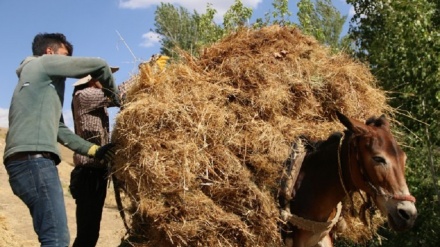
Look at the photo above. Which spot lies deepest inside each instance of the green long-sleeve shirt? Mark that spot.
(35, 114)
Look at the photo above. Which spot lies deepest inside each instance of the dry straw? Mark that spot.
(201, 145)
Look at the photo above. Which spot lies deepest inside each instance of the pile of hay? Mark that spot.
(201, 145)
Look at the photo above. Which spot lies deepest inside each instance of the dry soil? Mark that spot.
(15, 222)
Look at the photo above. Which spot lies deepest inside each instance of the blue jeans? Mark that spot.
(36, 182)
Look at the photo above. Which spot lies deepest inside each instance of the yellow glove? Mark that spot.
(102, 153)
(162, 61)
(92, 150)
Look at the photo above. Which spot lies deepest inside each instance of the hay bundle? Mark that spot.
(201, 145)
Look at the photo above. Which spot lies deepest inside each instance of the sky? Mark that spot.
(119, 31)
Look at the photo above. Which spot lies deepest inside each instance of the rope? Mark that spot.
(339, 163)
(117, 188)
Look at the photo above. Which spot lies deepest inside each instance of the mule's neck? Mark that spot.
(320, 188)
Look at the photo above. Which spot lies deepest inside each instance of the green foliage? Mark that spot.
(323, 21)
(400, 41)
(305, 12)
(281, 12)
(207, 30)
(177, 27)
(236, 16)
(279, 16)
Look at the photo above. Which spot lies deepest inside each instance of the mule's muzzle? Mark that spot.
(403, 217)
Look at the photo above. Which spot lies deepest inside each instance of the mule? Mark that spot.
(364, 157)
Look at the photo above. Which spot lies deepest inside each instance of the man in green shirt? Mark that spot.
(36, 125)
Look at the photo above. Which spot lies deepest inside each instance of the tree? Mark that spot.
(323, 21)
(279, 16)
(236, 16)
(400, 41)
(207, 30)
(177, 28)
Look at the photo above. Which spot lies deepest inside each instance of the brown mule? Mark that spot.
(365, 157)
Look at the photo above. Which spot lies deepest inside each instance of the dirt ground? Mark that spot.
(15, 222)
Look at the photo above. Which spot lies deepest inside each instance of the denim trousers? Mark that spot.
(36, 182)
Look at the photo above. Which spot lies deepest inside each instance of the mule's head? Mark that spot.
(377, 166)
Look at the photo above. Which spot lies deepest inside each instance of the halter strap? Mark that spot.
(404, 198)
(395, 196)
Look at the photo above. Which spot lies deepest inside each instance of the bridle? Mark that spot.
(366, 179)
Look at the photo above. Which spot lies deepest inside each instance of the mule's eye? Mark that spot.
(379, 159)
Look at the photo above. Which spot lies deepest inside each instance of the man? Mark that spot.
(36, 124)
(88, 183)
(90, 176)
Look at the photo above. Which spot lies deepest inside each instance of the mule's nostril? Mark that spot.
(404, 214)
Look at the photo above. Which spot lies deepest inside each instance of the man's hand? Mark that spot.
(117, 101)
(92, 150)
(103, 153)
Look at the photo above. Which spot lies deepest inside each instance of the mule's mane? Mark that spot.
(312, 146)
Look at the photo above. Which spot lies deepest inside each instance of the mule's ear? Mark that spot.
(380, 122)
(343, 119)
(385, 122)
(352, 125)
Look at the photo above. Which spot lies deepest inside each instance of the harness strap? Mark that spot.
(315, 226)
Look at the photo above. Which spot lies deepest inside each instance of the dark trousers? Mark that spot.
(89, 189)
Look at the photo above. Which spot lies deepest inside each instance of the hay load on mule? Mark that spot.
(201, 145)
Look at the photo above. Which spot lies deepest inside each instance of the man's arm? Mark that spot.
(72, 141)
(75, 143)
(78, 67)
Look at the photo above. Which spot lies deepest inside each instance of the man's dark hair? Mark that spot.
(53, 40)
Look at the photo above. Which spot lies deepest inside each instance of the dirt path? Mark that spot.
(15, 222)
